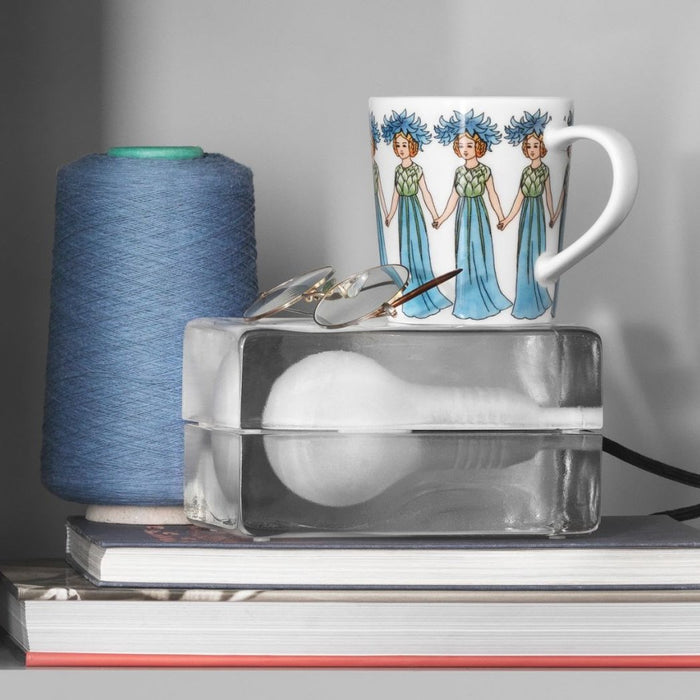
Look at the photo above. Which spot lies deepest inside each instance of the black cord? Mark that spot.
(654, 466)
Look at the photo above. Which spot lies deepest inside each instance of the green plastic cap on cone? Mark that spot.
(164, 152)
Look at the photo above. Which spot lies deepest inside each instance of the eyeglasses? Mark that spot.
(368, 294)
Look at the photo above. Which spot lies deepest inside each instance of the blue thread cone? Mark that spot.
(141, 247)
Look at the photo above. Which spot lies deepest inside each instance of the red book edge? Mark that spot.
(45, 659)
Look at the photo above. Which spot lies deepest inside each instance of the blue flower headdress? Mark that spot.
(518, 131)
(409, 125)
(374, 129)
(448, 130)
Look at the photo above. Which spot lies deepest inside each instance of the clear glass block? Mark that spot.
(293, 375)
(296, 483)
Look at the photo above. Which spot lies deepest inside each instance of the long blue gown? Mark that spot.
(531, 298)
(380, 217)
(477, 294)
(414, 246)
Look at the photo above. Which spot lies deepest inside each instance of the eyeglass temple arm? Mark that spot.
(424, 288)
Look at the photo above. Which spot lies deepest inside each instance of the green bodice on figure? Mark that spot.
(406, 179)
(471, 182)
(533, 179)
(532, 299)
(375, 174)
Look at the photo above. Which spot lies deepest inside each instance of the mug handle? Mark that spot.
(550, 266)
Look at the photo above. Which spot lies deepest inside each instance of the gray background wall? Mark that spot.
(81, 76)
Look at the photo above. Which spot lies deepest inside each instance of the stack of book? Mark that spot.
(180, 595)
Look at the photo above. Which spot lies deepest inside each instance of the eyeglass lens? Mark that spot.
(361, 296)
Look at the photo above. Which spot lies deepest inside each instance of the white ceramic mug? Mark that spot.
(480, 183)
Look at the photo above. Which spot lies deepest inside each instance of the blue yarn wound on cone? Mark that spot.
(141, 247)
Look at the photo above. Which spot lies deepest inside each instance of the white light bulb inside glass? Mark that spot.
(340, 390)
(345, 392)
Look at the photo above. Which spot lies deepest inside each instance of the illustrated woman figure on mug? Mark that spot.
(379, 201)
(408, 135)
(531, 298)
(477, 293)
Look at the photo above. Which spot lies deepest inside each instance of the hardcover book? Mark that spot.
(625, 552)
(60, 619)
